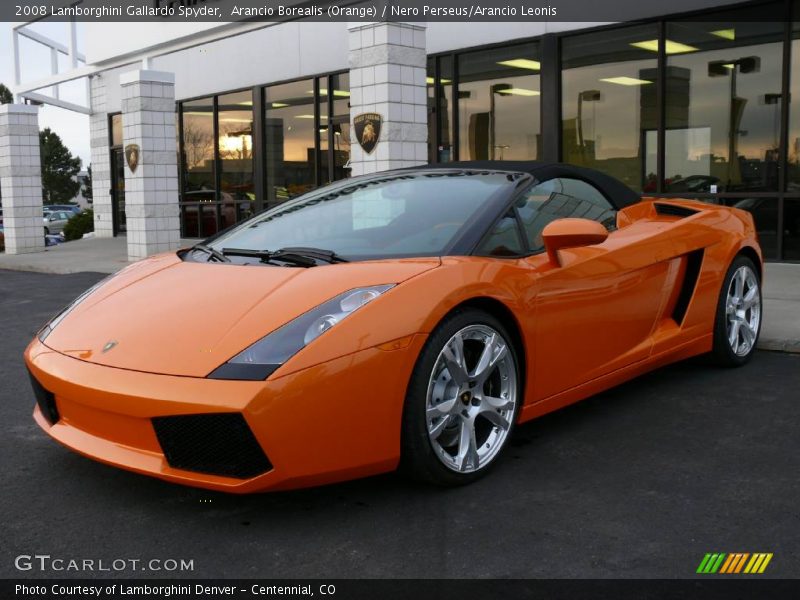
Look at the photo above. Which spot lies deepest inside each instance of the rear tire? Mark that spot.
(462, 402)
(738, 319)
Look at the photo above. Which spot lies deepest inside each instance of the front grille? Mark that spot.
(215, 443)
(46, 401)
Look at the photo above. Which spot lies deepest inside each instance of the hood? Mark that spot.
(163, 315)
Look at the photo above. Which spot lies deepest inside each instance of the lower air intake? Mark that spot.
(46, 401)
(215, 443)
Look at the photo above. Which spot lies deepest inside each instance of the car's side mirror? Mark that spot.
(571, 233)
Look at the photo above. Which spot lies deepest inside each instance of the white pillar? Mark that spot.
(387, 76)
(21, 178)
(151, 192)
(101, 160)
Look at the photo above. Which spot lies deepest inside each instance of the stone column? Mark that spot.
(101, 160)
(21, 178)
(387, 77)
(151, 191)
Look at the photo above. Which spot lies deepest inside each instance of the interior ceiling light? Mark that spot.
(626, 81)
(304, 116)
(670, 47)
(726, 34)
(429, 81)
(279, 105)
(522, 63)
(324, 92)
(519, 92)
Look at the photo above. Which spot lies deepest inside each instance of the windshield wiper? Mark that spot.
(328, 256)
(298, 256)
(267, 256)
(211, 252)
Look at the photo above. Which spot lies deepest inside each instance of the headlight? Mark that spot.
(53, 323)
(264, 357)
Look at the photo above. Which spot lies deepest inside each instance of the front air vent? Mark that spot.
(694, 260)
(46, 401)
(214, 443)
(674, 210)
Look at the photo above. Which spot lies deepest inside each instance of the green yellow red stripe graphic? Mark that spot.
(734, 562)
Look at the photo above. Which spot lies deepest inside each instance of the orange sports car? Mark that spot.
(402, 319)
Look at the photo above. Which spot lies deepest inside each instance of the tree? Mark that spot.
(86, 192)
(6, 97)
(59, 169)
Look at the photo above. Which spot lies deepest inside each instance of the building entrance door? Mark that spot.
(118, 189)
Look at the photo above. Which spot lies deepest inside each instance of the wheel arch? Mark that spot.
(753, 255)
(506, 316)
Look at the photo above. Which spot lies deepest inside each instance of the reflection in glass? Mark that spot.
(290, 137)
(723, 107)
(198, 145)
(236, 156)
(198, 198)
(793, 175)
(765, 215)
(116, 129)
(439, 116)
(498, 104)
(339, 137)
(791, 229)
(602, 73)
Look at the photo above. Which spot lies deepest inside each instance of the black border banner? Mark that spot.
(357, 11)
(729, 588)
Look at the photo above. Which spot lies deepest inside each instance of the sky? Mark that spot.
(72, 127)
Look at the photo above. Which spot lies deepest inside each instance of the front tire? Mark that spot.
(462, 401)
(738, 319)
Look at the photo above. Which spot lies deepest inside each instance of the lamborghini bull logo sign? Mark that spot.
(368, 130)
(132, 156)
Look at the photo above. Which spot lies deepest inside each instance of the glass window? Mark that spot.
(498, 104)
(723, 104)
(116, 129)
(290, 140)
(765, 215)
(236, 156)
(503, 239)
(559, 198)
(340, 123)
(793, 179)
(791, 229)
(439, 115)
(198, 147)
(414, 214)
(609, 104)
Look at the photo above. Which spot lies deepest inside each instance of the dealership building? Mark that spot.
(195, 126)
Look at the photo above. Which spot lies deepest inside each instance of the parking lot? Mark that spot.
(640, 481)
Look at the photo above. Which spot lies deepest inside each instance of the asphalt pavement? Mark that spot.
(640, 481)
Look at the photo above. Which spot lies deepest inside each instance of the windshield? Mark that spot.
(391, 215)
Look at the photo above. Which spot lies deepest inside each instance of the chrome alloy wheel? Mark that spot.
(743, 311)
(471, 399)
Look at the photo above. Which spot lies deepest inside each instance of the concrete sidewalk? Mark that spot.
(780, 330)
(95, 255)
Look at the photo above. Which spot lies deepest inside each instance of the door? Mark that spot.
(595, 313)
(118, 189)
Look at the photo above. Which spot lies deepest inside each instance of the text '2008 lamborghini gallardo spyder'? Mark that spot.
(402, 319)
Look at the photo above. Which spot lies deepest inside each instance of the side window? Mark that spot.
(503, 239)
(559, 198)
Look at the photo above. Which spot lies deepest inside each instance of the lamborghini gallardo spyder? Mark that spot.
(405, 319)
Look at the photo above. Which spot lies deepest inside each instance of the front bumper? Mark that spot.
(331, 422)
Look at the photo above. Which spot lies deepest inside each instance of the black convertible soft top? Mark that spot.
(619, 194)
